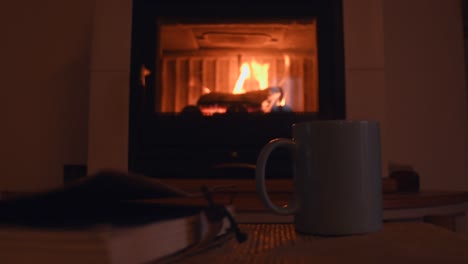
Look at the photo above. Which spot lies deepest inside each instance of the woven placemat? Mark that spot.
(395, 243)
(263, 239)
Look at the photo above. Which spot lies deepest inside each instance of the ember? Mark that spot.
(256, 101)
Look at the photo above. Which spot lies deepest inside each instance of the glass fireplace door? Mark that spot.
(216, 68)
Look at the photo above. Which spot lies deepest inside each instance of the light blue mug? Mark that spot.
(337, 177)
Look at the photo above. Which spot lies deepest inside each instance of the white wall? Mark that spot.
(364, 65)
(405, 68)
(109, 86)
(44, 51)
(426, 100)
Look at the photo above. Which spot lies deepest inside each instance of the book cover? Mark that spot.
(106, 218)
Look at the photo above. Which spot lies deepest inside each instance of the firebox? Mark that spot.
(215, 68)
(212, 83)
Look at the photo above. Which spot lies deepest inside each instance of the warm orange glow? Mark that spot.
(206, 90)
(144, 72)
(253, 90)
(209, 111)
(260, 73)
(253, 70)
(282, 102)
(287, 64)
(244, 74)
(287, 61)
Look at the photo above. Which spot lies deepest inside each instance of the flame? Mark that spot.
(287, 61)
(205, 90)
(244, 74)
(254, 76)
(260, 73)
(282, 102)
(252, 70)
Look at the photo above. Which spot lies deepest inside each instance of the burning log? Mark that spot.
(260, 100)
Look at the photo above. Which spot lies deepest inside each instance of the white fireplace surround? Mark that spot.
(401, 65)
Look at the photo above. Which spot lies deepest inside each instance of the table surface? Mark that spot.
(395, 243)
(246, 198)
(250, 201)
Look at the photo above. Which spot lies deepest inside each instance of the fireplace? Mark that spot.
(211, 84)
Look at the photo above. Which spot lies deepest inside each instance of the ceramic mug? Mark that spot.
(337, 177)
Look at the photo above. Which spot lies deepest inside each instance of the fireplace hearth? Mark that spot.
(211, 84)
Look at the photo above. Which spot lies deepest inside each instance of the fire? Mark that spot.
(282, 102)
(252, 71)
(253, 91)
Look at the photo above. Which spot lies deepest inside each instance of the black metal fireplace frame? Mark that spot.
(164, 145)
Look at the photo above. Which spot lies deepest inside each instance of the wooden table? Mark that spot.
(444, 208)
(395, 243)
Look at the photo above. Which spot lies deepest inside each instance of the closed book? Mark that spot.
(97, 221)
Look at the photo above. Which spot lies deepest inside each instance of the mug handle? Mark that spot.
(262, 160)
